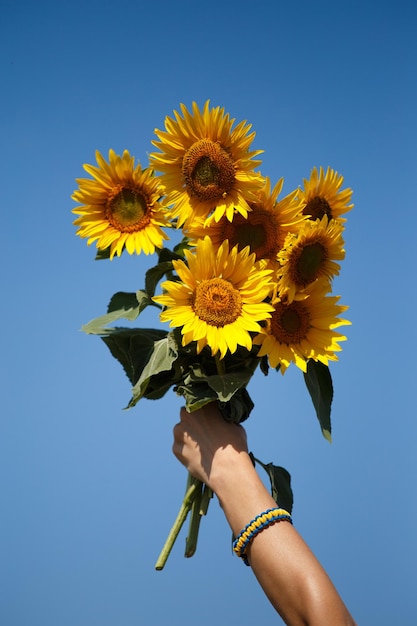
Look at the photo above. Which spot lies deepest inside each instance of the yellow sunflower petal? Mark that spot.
(217, 312)
(121, 206)
(205, 164)
(263, 228)
(310, 254)
(303, 329)
(322, 195)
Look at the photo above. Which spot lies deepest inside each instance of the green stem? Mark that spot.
(205, 500)
(200, 508)
(255, 460)
(219, 364)
(187, 503)
(192, 537)
(202, 501)
(197, 499)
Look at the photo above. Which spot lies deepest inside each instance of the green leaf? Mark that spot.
(103, 254)
(238, 408)
(280, 480)
(319, 384)
(281, 486)
(196, 395)
(161, 361)
(158, 385)
(133, 348)
(173, 255)
(164, 266)
(145, 300)
(227, 385)
(184, 244)
(155, 274)
(122, 300)
(122, 305)
(199, 387)
(264, 365)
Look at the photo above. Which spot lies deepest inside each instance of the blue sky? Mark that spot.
(89, 491)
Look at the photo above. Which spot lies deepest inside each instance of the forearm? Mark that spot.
(298, 587)
(216, 452)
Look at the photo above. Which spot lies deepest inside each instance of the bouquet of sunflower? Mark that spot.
(248, 284)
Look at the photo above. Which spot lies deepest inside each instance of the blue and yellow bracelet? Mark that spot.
(254, 527)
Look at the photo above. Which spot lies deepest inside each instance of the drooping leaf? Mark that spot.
(320, 386)
(196, 395)
(159, 384)
(103, 254)
(226, 385)
(264, 365)
(133, 348)
(161, 360)
(280, 481)
(238, 408)
(281, 487)
(201, 384)
(122, 305)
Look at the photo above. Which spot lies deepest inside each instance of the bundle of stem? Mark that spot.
(196, 500)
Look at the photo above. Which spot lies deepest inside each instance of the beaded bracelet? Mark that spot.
(256, 526)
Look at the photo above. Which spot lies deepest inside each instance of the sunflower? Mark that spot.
(322, 195)
(206, 164)
(303, 329)
(310, 254)
(265, 227)
(219, 298)
(121, 206)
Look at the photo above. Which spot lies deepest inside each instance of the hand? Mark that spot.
(208, 446)
(216, 452)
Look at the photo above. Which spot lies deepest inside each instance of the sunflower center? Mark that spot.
(290, 322)
(127, 209)
(208, 171)
(217, 302)
(306, 262)
(258, 231)
(317, 208)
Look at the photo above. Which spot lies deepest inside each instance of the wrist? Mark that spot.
(240, 490)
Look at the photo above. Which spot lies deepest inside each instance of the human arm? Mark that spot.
(216, 452)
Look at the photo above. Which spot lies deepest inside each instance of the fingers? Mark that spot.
(178, 444)
(206, 430)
